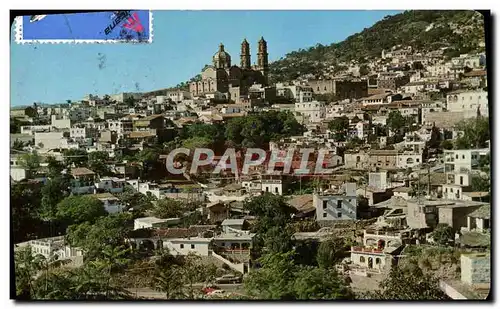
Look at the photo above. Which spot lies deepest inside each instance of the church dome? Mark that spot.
(222, 59)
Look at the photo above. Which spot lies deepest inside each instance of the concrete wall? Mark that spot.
(475, 268)
(455, 217)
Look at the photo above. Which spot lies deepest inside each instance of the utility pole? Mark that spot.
(429, 179)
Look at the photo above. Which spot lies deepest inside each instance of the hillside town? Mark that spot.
(381, 188)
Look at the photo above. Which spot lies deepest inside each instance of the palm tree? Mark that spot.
(27, 267)
(170, 281)
(112, 257)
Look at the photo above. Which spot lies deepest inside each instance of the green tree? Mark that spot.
(408, 283)
(27, 266)
(80, 208)
(30, 161)
(443, 234)
(18, 145)
(339, 126)
(55, 167)
(107, 231)
(25, 207)
(97, 162)
(320, 283)
(476, 132)
(395, 121)
(197, 142)
(168, 208)
(169, 280)
(54, 191)
(480, 183)
(76, 157)
(331, 252)
(447, 144)
(435, 142)
(281, 278)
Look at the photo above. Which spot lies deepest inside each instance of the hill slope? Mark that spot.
(460, 31)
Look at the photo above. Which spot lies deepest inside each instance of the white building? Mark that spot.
(110, 202)
(49, 140)
(468, 102)
(178, 95)
(153, 222)
(111, 184)
(340, 205)
(464, 160)
(408, 160)
(312, 111)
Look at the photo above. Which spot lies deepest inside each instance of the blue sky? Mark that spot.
(184, 41)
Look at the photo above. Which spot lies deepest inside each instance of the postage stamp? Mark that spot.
(128, 26)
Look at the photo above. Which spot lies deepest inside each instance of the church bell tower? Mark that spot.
(262, 60)
(245, 55)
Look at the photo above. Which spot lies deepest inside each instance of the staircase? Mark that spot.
(237, 267)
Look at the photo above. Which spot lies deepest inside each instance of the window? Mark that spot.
(361, 259)
(181, 246)
(223, 244)
(325, 203)
(339, 215)
(418, 160)
(456, 156)
(451, 190)
(463, 156)
(324, 215)
(267, 189)
(339, 204)
(461, 180)
(377, 261)
(276, 190)
(192, 246)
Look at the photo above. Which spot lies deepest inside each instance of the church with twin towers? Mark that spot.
(234, 81)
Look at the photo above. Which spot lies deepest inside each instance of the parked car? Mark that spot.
(228, 279)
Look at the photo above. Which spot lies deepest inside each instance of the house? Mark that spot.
(475, 278)
(423, 214)
(111, 203)
(110, 184)
(339, 205)
(480, 219)
(154, 223)
(463, 160)
(468, 102)
(374, 195)
(217, 212)
(231, 225)
(313, 111)
(55, 247)
(83, 181)
(303, 204)
(403, 192)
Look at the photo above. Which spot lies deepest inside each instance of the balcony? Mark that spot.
(366, 250)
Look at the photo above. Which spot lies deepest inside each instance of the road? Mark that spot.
(152, 294)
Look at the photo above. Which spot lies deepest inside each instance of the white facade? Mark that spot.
(407, 160)
(313, 111)
(111, 204)
(49, 140)
(177, 96)
(463, 160)
(468, 102)
(184, 246)
(342, 206)
(60, 122)
(112, 185)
